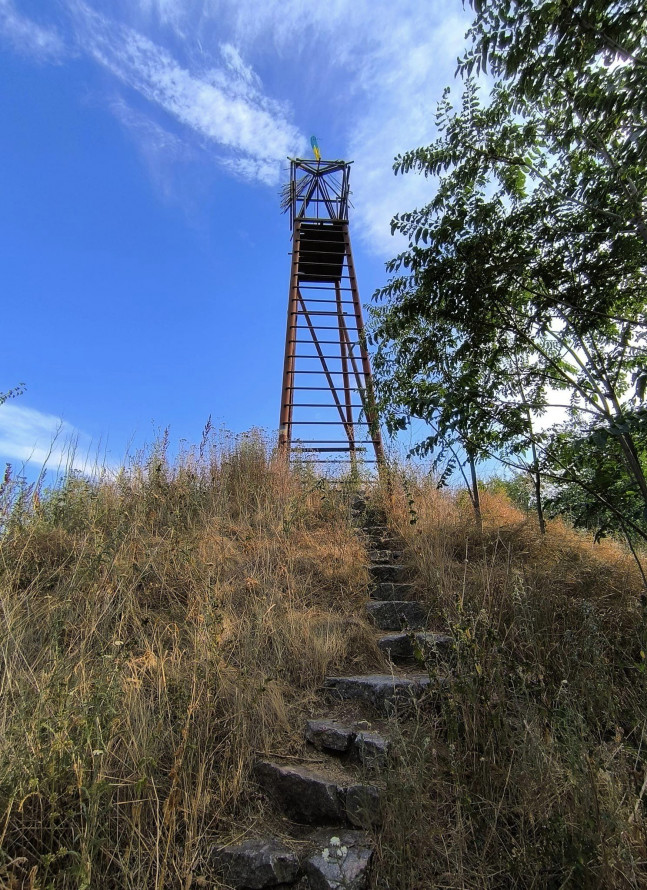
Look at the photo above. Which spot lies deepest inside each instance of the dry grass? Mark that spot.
(158, 632)
(529, 769)
(161, 630)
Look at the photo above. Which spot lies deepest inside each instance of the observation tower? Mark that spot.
(328, 413)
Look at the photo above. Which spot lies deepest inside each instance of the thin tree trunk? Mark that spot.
(536, 478)
(629, 450)
(535, 473)
(474, 495)
(635, 556)
(633, 463)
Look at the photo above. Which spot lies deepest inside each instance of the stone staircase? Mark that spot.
(343, 792)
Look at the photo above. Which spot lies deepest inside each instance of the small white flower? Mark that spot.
(325, 853)
(343, 851)
(335, 842)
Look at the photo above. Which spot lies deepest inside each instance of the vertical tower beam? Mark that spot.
(343, 344)
(370, 407)
(287, 390)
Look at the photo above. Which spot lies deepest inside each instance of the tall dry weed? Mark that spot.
(158, 632)
(527, 767)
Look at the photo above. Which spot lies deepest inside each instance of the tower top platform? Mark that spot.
(317, 191)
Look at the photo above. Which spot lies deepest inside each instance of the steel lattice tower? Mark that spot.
(327, 366)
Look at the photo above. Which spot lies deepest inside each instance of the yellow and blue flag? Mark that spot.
(315, 148)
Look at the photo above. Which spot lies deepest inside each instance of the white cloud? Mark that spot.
(162, 140)
(161, 149)
(370, 72)
(554, 415)
(408, 76)
(223, 106)
(390, 62)
(32, 437)
(235, 63)
(28, 37)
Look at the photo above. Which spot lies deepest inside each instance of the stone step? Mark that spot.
(372, 749)
(380, 536)
(382, 692)
(368, 747)
(330, 735)
(329, 859)
(388, 572)
(377, 532)
(407, 646)
(387, 590)
(379, 557)
(257, 863)
(341, 859)
(317, 796)
(397, 614)
(381, 545)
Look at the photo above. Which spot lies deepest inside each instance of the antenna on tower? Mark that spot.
(327, 401)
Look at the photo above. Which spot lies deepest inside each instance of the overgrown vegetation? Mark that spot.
(164, 628)
(529, 768)
(158, 632)
(522, 289)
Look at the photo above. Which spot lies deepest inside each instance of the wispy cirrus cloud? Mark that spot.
(45, 440)
(188, 75)
(161, 149)
(409, 74)
(389, 63)
(27, 36)
(223, 105)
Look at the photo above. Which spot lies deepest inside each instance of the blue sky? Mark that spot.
(142, 149)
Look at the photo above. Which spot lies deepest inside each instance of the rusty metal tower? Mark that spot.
(328, 412)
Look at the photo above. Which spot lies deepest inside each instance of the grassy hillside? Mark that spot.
(157, 633)
(531, 772)
(161, 630)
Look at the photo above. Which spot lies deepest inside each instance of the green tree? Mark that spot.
(526, 270)
(590, 479)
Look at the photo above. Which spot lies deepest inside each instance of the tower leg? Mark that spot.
(287, 392)
(370, 408)
(343, 349)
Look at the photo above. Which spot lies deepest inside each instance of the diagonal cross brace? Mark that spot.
(313, 333)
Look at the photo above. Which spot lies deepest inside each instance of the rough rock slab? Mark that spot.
(379, 691)
(329, 735)
(340, 860)
(376, 544)
(305, 795)
(378, 533)
(404, 646)
(375, 528)
(388, 572)
(387, 590)
(371, 749)
(256, 864)
(312, 796)
(396, 614)
(383, 555)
